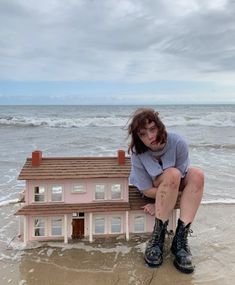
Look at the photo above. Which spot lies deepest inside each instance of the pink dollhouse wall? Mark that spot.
(149, 222)
(69, 196)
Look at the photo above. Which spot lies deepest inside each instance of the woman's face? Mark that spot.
(148, 136)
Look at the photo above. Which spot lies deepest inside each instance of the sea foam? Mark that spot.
(216, 119)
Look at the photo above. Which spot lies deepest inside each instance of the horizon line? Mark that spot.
(140, 104)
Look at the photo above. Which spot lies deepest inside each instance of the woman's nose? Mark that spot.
(150, 134)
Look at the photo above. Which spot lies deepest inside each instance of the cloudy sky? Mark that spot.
(117, 51)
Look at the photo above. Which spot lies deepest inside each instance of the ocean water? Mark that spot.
(101, 131)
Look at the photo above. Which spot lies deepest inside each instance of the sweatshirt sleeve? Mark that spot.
(139, 176)
(182, 157)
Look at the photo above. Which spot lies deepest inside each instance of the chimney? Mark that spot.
(36, 158)
(121, 157)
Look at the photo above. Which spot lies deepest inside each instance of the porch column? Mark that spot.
(90, 227)
(127, 226)
(20, 230)
(65, 228)
(25, 230)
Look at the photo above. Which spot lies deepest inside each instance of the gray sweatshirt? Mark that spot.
(145, 167)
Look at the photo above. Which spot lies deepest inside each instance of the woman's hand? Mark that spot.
(149, 209)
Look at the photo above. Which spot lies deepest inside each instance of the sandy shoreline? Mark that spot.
(212, 244)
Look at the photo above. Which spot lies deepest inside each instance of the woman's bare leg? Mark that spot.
(191, 195)
(165, 193)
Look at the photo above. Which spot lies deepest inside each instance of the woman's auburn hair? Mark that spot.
(139, 119)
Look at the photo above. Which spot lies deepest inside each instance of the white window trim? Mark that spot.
(50, 191)
(94, 218)
(105, 192)
(46, 227)
(110, 191)
(45, 194)
(110, 224)
(50, 226)
(77, 184)
(134, 217)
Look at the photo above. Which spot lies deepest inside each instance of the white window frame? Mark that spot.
(45, 194)
(94, 224)
(79, 184)
(45, 226)
(134, 223)
(62, 194)
(51, 223)
(105, 191)
(121, 224)
(121, 193)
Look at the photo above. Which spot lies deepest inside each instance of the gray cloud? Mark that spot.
(117, 40)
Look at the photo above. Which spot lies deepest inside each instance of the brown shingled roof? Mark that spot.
(65, 208)
(75, 168)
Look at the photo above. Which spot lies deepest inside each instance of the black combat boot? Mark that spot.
(181, 250)
(154, 250)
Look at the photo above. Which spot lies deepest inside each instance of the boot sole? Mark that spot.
(153, 265)
(181, 269)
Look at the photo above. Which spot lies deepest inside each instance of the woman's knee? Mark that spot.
(172, 173)
(171, 177)
(196, 175)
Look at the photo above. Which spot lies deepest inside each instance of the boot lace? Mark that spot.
(155, 239)
(157, 236)
(182, 242)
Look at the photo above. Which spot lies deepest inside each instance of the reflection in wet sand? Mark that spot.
(110, 263)
(101, 265)
(119, 262)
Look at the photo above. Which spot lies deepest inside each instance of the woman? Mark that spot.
(160, 169)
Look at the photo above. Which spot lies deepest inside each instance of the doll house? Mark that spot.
(81, 197)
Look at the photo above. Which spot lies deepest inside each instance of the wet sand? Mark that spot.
(119, 262)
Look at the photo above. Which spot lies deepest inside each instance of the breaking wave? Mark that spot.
(210, 120)
(62, 122)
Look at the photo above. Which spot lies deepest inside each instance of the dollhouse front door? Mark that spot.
(78, 228)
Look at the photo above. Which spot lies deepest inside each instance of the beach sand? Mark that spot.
(120, 262)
